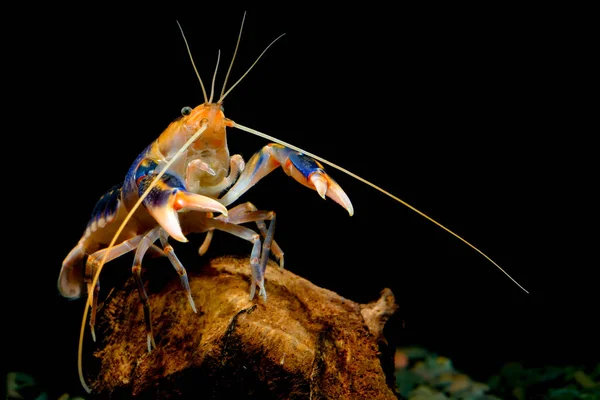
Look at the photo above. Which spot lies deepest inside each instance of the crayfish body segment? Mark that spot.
(204, 181)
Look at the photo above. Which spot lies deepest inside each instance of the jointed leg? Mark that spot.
(91, 266)
(164, 240)
(259, 217)
(243, 213)
(258, 270)
(136, 269)
(204, 246)
(267, 244)
(248, 212)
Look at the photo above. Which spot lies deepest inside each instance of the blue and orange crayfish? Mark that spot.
(177, 185)
(191, 188)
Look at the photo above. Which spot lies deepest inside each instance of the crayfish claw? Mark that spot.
(320, 183)
(164, 202)
(311, 173)
(334, 191)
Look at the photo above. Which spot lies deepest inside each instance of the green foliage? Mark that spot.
(422, 375)
(22, 386)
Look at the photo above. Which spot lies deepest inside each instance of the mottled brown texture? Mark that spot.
(304, 342)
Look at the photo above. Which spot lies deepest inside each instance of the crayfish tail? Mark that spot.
(70, 280)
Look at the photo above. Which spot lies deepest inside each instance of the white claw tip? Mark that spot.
(319, 183)
(180, 238)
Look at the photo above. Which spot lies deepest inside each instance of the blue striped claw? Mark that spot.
(301, 167)
(168, 197)
(311, 173)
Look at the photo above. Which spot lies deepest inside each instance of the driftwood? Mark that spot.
(305, 342)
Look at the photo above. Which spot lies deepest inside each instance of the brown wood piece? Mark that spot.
(305, 342)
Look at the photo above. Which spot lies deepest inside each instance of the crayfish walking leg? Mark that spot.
(91, 266)
(145, 244)
(260, 250)
(136, 269)
(164, 240)
(247, 212)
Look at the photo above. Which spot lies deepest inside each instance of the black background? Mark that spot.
(469, 115)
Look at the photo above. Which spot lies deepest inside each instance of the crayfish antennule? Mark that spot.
(212, 86)
(252, 66)
(193, 64)
(232, 58)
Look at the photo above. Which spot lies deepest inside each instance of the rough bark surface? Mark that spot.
(304, 342)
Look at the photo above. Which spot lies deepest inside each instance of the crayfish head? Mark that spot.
(208, 152)
(210, 114)
(190, 122)
(214, 136)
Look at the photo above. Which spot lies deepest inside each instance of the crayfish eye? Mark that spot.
(186, 111)
(222, 108)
